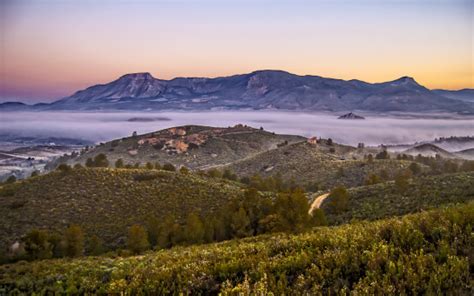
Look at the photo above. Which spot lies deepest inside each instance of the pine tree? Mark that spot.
(74, 241)
(194, 229)
(240, 224)
(318, 218)
(137, 240)
(292, 210)
(37, 245)
(96, 246)
(339, 199)
(119, 163)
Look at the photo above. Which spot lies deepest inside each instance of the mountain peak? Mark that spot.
(137, 76)
(405, 80)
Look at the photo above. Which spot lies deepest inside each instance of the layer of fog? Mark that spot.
(99, 127)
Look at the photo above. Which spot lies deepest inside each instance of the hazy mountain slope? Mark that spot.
(423, 253)
(466, 94)
(430, 150)
(386, 200)
(268, 89)
(196, 147)
(105, 201)
(308, 164)
(466, 154)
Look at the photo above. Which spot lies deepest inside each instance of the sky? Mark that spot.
(51, 48)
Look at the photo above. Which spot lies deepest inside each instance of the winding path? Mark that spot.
(317, 202)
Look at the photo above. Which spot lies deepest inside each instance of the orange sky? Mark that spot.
(50, 49)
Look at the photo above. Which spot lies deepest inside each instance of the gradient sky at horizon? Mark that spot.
(50, 49)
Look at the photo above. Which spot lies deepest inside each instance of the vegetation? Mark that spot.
(395, 199)
(425, 253)
(105, 202)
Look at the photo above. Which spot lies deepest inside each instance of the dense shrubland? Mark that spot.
(401, 197)
(424, 253)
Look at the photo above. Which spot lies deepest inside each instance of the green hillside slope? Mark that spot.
(387, 199)
(426, 253)
(105, 201)
(327, 165)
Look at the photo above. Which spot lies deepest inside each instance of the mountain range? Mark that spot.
(259, 90)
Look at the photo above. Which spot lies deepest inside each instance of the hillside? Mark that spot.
(425, 253)
(104, 201)
(466, 154)
(315, 163)
(386, 200)
(196, 147)
(430, 150)
(259, 90)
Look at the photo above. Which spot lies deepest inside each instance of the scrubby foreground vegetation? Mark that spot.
(425, 253)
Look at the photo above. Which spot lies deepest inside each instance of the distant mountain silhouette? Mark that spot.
(267, 89)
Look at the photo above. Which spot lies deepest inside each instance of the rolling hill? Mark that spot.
(106, 201)
(315, 163)
(196, 147)
(430, 150)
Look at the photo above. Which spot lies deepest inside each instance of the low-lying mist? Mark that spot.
(100, 127)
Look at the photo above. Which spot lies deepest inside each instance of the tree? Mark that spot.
(415, 168)
(90, 163)
(168, 233)
(318, 218)
(137, 240)
(194, 229)
(119, 163)
(153, 227)
(370, 158)
(74, 241)
(339, 199)
(329, 142)
(149, 166)
(34, 173)
(401, 181)
(229, 175)
(240, 224)
(64, 168)
(184, 170)
(101, 160)
(169, 167)
(372, 179)
(37, 245)
(96, 246)
(78, 166)
(11, 179)
(382, 155)
(293, 210)
(214, 173)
